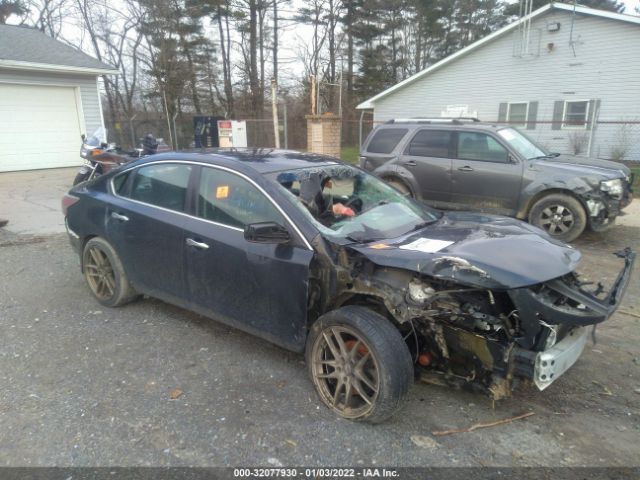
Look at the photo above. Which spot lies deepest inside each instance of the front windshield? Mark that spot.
(348, 204)
(521, 143)
(98, 137)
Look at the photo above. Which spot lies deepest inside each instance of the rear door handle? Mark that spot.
(118, 216)
(192, 243)
(410, 163)
(466, 168)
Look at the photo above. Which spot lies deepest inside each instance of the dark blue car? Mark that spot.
(318, 256)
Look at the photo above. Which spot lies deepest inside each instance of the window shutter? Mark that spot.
(532, 115)
(502, 113)
(558, 110)
(594, 106)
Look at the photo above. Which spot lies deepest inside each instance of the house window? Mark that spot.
(517, 113)
(575, 114)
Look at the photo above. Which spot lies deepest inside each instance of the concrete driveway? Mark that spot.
(31, 200)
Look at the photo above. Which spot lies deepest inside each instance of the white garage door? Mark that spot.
(39, 127)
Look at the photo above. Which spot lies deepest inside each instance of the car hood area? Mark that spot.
(477, 250)
(585, 164)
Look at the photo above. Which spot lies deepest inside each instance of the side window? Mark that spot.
(479, 146)
(430, 143)
(163, 185)
(229, 199)
(120, 181)
(386, 139)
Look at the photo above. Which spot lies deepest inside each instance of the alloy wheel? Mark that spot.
(556, 219)
(345, 371)
(99, 273)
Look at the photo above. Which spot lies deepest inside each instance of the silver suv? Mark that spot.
(464, 164)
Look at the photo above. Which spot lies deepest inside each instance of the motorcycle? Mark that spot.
(101, 157)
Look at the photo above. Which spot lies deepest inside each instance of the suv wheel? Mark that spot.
(561, 216)
(359, 363)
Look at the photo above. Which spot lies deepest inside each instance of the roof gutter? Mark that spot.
(46, 67)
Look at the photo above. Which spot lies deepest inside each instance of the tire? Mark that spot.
(81, 177)
(104, 274)
(372, 383)
(561, 216)
(400, 186)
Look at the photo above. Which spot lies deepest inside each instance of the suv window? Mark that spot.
(162, 185)
(386, 139)
(430, 143)
(229, 199)
(479, 146)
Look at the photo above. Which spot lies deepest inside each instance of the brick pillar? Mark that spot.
(324, 134)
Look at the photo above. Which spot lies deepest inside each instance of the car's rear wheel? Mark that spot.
(105, 275)
(401, 187)
(359, 363)
(560, 215)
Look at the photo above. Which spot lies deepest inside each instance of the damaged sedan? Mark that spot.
(323, 258)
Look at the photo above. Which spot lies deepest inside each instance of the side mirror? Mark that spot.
(266, 232)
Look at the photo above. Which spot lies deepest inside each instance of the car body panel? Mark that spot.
(486, 251)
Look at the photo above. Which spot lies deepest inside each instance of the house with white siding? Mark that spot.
(49, 96)
(569, 76)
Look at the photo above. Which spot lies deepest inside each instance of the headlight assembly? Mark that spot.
(612, 187)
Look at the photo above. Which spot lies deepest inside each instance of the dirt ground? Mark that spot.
(87, 386)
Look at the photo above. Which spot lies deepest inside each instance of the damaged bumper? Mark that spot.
(545, 367)
(592, 308)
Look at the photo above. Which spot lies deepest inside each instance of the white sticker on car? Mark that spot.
(426, 245)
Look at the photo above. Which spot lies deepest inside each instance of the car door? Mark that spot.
(485, 176)
(258, 287)
(427, 158)
(145, 225)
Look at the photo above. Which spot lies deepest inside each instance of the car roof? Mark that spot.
(262, 160)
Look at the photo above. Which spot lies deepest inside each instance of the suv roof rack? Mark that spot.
(454, 120)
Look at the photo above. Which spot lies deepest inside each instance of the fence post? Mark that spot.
(286, 133)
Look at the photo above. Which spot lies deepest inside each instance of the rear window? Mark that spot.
(386, 139)
(430, 143)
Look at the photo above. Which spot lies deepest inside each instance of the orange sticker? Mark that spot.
(379, 246)
(222, 191)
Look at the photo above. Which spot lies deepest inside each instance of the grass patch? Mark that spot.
(350, 154)
(636, 172)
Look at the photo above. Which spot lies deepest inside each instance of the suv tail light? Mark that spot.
(67, 201)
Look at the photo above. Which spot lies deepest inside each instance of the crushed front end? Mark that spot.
(490, 339)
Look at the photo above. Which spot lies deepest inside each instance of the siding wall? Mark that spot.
(86, 83)
(605, 66)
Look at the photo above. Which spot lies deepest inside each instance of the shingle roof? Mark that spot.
(29, 48)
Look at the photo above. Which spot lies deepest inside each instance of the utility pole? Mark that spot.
(274, 107)
(313, 94)
(275, 41)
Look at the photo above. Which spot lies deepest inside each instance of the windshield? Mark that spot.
(98, 137)
(522, 144)
(347, 204)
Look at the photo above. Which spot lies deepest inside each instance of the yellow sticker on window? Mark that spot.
(222, 191)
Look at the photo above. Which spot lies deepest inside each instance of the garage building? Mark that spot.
(49, 96)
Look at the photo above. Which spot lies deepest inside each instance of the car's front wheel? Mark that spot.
(105, 274)
(560, 215)
(359, 363)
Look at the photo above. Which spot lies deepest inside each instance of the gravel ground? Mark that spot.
(83, 385)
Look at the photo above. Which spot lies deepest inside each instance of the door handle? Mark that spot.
(466, 168)
(117, 216)
(192, 243)
(410, 163)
